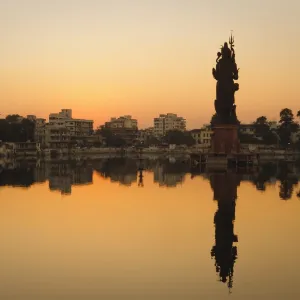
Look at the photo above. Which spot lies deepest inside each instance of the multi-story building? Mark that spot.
(40, 130)
(205, 135)
(202, 135)
(57, 136)
(196, 135)
(166, 122)
(125, 127)
(60, 129)
(122, 122)
(76, 127)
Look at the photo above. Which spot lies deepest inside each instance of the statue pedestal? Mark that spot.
(225, 139)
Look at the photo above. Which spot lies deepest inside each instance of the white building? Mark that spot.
(205, 135)
(202, 136)
(166, 122)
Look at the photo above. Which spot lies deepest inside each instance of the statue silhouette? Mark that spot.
(225, 73)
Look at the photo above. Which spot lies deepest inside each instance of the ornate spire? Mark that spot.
(231, 40)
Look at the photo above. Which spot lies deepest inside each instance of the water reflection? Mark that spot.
(60, 175)
(224, 251)
(166, 173)
(138, 230)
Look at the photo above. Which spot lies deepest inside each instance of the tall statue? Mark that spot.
(225, 73)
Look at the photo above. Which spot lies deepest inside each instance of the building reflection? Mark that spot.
(170, 173)
(128, 171)
(62, 175)
(121, 170)
(224, 251)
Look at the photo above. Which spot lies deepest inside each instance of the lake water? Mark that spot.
(105, 230)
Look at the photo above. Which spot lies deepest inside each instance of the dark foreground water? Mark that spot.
(105, 230)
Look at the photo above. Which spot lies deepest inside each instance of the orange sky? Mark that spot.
(109, 58)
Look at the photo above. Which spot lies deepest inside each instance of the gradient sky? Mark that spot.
(106, 58)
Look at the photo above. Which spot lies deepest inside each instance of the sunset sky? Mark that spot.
(105, 58)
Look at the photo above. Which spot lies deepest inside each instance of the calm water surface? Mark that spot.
(105, 230)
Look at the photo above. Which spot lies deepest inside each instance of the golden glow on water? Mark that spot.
(107, 241)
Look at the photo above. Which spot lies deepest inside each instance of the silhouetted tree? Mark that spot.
(178, 137)
(263, 130)
(13, 118)
(14, 130)
(111, 139)
(287, 126)
(152, 141)
(248, 139)
(266, 172)
(261, 126)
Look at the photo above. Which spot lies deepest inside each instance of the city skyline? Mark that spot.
(143, 59)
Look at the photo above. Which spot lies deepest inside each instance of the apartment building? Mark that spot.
(166, 122)
(40, 130)
(126, 127)
(196, 135)
(122, 122)
(76, 127)
(202, 135)
(57, 136)
(205, 135)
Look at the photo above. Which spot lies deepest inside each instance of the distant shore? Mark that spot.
(195, 154)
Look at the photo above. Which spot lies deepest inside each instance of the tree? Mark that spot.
(286, 116)
(13, 118)
(111, 139)
(248, 139)
(152, 141)
(287, 126)
(262, 129)
(14, 130)
(261, 126)
(271, 138)
(178, 137)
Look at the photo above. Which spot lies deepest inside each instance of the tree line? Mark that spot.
(282, 135)
(14, 128)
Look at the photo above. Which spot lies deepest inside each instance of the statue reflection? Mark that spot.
(224, 251)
